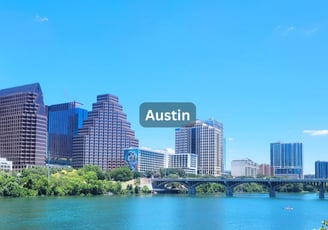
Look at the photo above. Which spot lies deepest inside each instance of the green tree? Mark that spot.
(209, 188)
(309, 188)
(145, 189)
(165, 172)
(114, 187)
(250, 187)
(148, 174)
(137, 174)
(136, 189)
(121, 174)
(100, 174)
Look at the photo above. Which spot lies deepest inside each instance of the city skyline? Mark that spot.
(256, 67)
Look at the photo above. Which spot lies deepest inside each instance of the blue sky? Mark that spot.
(259, 67)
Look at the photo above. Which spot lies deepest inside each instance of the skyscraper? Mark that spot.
(64, 120)
(321, 169)
(287, 159)
(23, 126)
(104, 135)
(205, 139)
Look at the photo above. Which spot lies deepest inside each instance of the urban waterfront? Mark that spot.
(243, 211)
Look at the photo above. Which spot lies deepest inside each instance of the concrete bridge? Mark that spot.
(159, 184)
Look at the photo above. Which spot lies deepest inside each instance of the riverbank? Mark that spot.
(89, 180)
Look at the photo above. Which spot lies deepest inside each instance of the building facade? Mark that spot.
(264, 170)
(321, 169)
(186, 161)
(6, 165)
(104, 136)
(205, 139)
(23, 126)
(286, 159)
(244, 167)
(142, 160)
(64, 120)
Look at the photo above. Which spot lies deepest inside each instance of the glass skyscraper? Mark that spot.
(287, 159)
(64, 120)
(321, 169)
(23, 126)
(205, 139)
(104, 135)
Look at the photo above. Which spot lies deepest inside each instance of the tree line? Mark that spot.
(89, 180)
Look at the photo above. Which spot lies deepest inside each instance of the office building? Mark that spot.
(23, 126)
(244, 167)
(6, 165)
(64, 120)
(205, 139)
(185, 161)
(321, 169)
(286, 159)
(264, 170)
(104, 135)
(224, 159)
(142, 160)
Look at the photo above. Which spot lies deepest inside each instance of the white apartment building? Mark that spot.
(244, 167)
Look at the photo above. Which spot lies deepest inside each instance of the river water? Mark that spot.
(243, 211)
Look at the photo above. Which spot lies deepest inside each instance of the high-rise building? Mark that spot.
(23, 126)
(321, 169)
(205, 139)
(286, 159)
(244, 167)
(104, 135)
(224, 159)
(64, 120)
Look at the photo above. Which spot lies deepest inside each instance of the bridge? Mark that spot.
(159, 184)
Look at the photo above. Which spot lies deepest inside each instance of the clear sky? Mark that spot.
(259, 67)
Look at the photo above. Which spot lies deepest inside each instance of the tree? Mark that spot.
(114, 187)
(136, 189)
(145, 189)
(121, 174)
(164, 172)
(101, 175)
(148, 174)
(209, 188)
(137, 174)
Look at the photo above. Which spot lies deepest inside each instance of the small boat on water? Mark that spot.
(288, 208)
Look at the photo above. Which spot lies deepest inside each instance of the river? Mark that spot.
(169, 212)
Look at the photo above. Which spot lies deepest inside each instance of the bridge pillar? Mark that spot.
(229, 191)
(192, 190)
(321, 191)
(272, 192)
